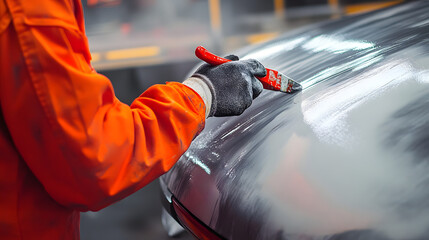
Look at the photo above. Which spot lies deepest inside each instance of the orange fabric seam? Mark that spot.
(49, 22)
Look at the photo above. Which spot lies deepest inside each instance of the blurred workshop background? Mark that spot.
(138, 43)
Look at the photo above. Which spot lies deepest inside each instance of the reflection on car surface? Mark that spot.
(346, 158)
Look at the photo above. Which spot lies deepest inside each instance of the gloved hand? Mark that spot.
(233, 85)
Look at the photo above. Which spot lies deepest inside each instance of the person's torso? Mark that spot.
(26, 209)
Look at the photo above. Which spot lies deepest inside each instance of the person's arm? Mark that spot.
(86, 147)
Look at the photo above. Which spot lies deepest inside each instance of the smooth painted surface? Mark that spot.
(346, 158)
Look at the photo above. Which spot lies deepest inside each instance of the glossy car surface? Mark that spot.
(346, 158)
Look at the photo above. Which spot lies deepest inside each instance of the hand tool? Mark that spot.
(274, 80)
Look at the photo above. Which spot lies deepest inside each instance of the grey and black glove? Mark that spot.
(233, 85)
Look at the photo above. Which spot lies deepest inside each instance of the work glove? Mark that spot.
(233, 85)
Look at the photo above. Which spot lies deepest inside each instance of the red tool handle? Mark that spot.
(209, 57)
(268, 82)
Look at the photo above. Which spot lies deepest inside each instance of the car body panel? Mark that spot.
(344, 158)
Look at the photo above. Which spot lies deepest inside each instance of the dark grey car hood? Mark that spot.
(347, 157)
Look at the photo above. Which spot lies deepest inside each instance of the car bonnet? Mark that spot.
(347, 154)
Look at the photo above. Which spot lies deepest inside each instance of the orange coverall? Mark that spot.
(67, 144)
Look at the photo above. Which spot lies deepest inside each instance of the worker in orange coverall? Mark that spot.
(67, 144)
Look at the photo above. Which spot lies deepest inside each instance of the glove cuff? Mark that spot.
(212, 90)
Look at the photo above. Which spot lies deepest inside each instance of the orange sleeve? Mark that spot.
(86, 147)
